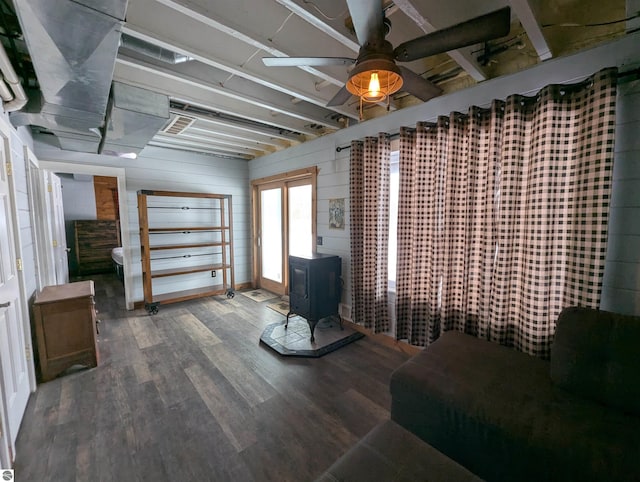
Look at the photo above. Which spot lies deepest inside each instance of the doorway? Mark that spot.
(284, 224)
(120, 192)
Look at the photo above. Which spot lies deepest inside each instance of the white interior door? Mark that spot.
(59, 233)
(14, 377)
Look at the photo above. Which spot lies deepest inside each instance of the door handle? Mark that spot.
(5, 305)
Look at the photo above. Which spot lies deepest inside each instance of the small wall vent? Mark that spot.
(179, 124)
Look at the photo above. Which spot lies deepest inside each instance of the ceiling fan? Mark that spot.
(376, 75)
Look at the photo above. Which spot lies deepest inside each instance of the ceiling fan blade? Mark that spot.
(306, 61)
(417, 86)
(480, 29)
(340, 98)
(368, 19)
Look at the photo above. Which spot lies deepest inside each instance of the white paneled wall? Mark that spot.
(621, 285)
(171, 170)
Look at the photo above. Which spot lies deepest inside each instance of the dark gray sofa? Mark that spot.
(505, 415)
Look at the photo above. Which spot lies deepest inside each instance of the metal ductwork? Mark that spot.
(134, 116)
(153, 51)
(73, 47)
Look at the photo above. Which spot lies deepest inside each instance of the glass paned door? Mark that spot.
(300, 220)
(271, 259)
(285, 212)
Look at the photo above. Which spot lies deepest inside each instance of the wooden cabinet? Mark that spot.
(65, 328)
(186, 246)
(94, 241)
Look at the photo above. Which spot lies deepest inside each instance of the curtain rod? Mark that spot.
(627, 75)
(344, 148)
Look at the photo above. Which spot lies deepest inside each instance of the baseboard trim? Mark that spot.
(386, 340)
(241, 286)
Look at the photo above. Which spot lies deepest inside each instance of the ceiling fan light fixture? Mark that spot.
(374, 81)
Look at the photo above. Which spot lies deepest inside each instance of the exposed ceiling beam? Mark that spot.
(181, 139)
(633, 8)
(207, 58)
(171, 83)
(462, 56)
(265, 144)
(278, 138)
(195, 12)
(525, 14)
(253, 95)
(191, 148)
(320, 24)
(205, 135)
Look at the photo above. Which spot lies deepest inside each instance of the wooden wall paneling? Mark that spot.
(106, 190)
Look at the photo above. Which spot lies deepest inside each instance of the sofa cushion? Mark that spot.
(496, 412)
(595, 354)
(391, 453)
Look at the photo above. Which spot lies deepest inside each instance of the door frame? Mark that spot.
(33, 174)
(125, 234)
(7, 446)
(282, 179)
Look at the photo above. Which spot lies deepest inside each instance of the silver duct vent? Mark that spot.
(135, 116)
(74, 65)
(153, 51)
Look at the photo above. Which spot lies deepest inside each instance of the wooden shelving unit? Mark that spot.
(186, 242)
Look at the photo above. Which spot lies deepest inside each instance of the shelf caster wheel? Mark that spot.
(231, 294)
(152, 308)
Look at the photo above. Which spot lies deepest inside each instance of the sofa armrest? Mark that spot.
(596, 354)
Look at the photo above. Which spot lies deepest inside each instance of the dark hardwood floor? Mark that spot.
(190, 394)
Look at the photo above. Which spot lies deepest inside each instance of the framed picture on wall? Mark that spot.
(336, 213)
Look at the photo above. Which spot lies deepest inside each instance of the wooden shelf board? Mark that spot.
(187, 228)
(176, 296)
(181, 246)
(188, 269)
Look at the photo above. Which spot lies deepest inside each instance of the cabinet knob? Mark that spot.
(5, 305)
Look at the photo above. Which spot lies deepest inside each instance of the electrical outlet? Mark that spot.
(213, 274)
(319, 240)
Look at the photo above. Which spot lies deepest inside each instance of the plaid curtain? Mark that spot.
(369, 202)
(502, 216)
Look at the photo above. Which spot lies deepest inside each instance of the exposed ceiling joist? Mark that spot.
(164, 81)
(279, 137)
(632, 7)
(206, 144)
(205, 58)
(208, 58)
(321, 25)
(205, 136)
(199, 149)
(228, 27)
(525, 13)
